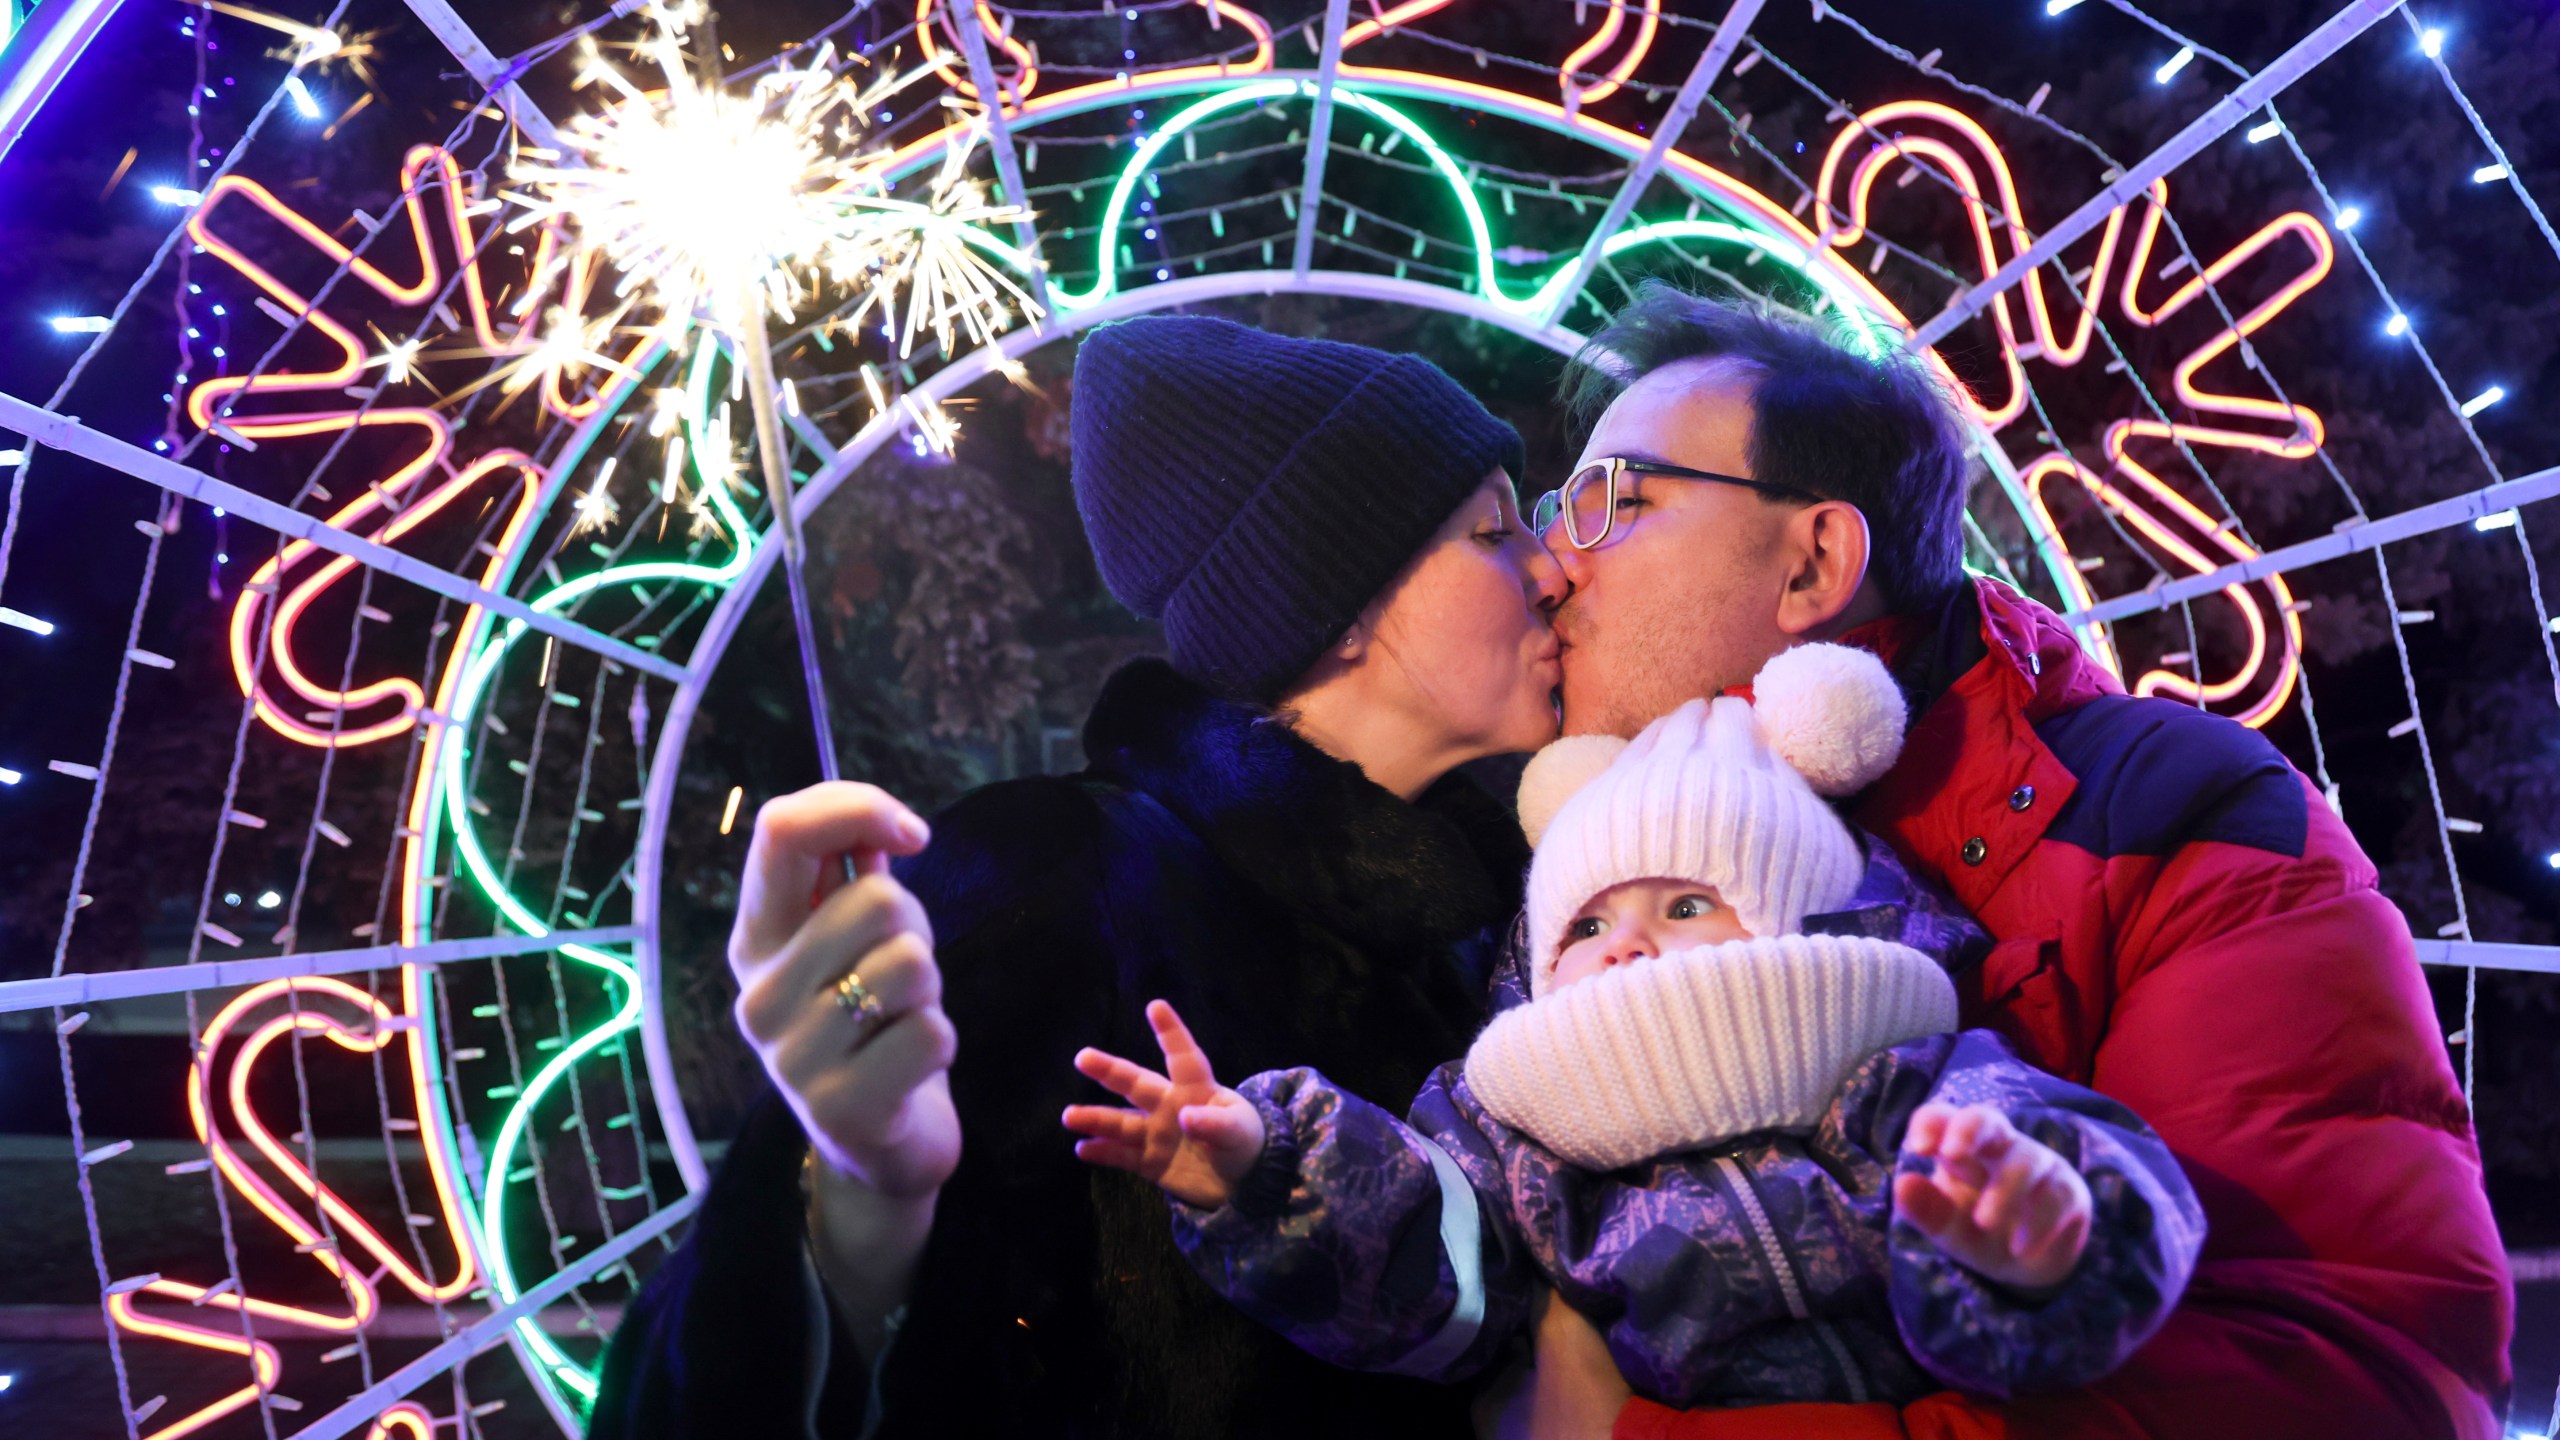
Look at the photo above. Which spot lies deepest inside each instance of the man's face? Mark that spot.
(1684, 602)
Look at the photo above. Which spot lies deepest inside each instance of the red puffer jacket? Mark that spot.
(2186, 926)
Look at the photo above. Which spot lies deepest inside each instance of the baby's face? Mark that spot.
(1639, 920)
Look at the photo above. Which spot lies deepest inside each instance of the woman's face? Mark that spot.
(1459, 640)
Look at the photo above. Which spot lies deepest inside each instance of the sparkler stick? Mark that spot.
(757, 356)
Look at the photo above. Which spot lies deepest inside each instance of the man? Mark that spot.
(2183, 923)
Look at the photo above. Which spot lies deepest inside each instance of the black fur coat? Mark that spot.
(1295, 913)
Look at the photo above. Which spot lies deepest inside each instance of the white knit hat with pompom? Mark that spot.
(1723, 793)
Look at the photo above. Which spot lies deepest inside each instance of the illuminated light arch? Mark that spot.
(442, 808)
(438, 808)
(2153, 508)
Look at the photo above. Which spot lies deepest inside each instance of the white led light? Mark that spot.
(176, 195)
(2260, 134)
(303, 100)
(2396, 326)
(2503, 520)
(2552, 859)
(79, 324)
(2431, 42)
(2488, 174)
(2348, 217)
(25, 621)
(8, 777)
(2056, 7)
(2176, 63)
(268, 899)
(2483, 400)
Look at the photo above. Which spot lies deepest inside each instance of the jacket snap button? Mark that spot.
(2022, 797)
(1975, 850)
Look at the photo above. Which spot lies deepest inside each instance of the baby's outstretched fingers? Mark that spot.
(1106, 1122)
(1113, 1154)
(1185, 1063)
(1127, 1079)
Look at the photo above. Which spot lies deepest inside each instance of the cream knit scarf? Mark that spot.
(1703, 1045)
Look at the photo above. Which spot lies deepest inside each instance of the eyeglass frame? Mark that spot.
(1551, 507)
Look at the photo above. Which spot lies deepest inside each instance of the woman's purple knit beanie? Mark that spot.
(1255, 492)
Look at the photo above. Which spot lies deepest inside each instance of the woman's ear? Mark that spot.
(1827, 549)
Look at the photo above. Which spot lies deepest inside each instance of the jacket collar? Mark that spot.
(1310, 830)
(1980, 674)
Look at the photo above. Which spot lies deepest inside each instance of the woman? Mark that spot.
(1268, 835)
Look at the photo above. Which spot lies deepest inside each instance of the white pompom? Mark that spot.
(1832, 712)
(1557, 772)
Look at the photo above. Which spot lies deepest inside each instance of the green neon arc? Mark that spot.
(1479, 229)
(450, 803)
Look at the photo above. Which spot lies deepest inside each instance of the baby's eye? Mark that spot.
(1585, 928)
(1692, 907)
(1496, 538)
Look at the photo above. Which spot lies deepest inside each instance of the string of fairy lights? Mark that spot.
(677, 376)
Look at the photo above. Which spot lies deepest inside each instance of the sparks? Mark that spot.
(595, 507)
(936, 251)
(710, 201)
(398, 360)
(314, 45)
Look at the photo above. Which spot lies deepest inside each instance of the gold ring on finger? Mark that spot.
(853, 995)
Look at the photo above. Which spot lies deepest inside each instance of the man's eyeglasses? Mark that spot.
(1588, 502)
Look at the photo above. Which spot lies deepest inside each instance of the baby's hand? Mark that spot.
(2004, 1204)
(1188, 1133)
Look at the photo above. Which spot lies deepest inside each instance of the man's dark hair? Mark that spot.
(1878, 431)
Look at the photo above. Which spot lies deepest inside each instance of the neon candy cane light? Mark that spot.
(380, 1022)
(424, 167)
(1026, 74)
(378, 1027)
(1577, 91)
(2152, 508)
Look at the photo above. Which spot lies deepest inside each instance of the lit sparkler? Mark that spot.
(720, 207)
(723, 207)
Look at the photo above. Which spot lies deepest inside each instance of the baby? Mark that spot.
(1733, 1125)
